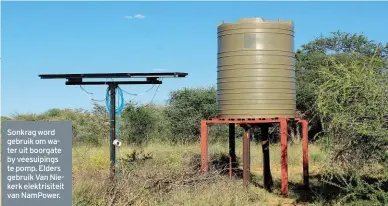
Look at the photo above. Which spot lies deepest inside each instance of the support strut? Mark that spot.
(268, 182)
(246, 155)
(112, 148)
(284, 164)
(305, 153)
(204, 155)
(232, 149)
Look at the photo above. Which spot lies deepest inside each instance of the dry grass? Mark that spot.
(171, 176)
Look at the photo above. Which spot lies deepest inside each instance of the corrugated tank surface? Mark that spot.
(256, 69)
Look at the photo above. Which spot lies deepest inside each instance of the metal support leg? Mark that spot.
(268, 183)
(112, 148)
(305, 153)
(246, 156)
(284, 164)
(232, 149)
(204, 145)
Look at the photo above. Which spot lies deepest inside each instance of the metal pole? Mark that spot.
(284, 163)
(232, 149)
(305, 153)
(112, 89)
(268, 183)
(204, 154)
(246, 155)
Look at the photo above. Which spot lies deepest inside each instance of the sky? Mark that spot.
(106, 37)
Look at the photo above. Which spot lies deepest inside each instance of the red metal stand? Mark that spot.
(246, 124)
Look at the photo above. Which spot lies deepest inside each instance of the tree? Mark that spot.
(187, 107)
(343, 88)
(138, 122)
(316, 54)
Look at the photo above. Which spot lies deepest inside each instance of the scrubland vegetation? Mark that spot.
(341, 88)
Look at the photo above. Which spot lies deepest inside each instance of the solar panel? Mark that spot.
(150, 78)
(114, 75)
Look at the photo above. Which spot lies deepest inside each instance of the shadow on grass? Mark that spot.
(220, 163)
(327, 193)
(318, 191)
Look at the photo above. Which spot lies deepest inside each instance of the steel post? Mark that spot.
(232, 149)
(268, 183)
(305, 153)
(284, 164)
(112, 90)
(204, 145)
(246, 156)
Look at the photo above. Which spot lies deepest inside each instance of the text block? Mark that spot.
(36, 163)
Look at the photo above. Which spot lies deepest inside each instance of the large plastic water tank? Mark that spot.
(256, 69)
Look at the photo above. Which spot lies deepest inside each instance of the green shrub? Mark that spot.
(140, 123)
(90, 127)
(187, 107)
(352, 103)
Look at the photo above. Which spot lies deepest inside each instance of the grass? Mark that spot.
(163, 174)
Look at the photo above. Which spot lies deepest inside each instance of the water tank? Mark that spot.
(256, 69)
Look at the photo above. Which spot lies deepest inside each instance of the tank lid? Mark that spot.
(251, 20)
(259, 20)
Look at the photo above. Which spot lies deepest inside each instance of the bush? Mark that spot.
(141, 124)
(186, 109)
(352, 102)
(88, 126)
(316, 54)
